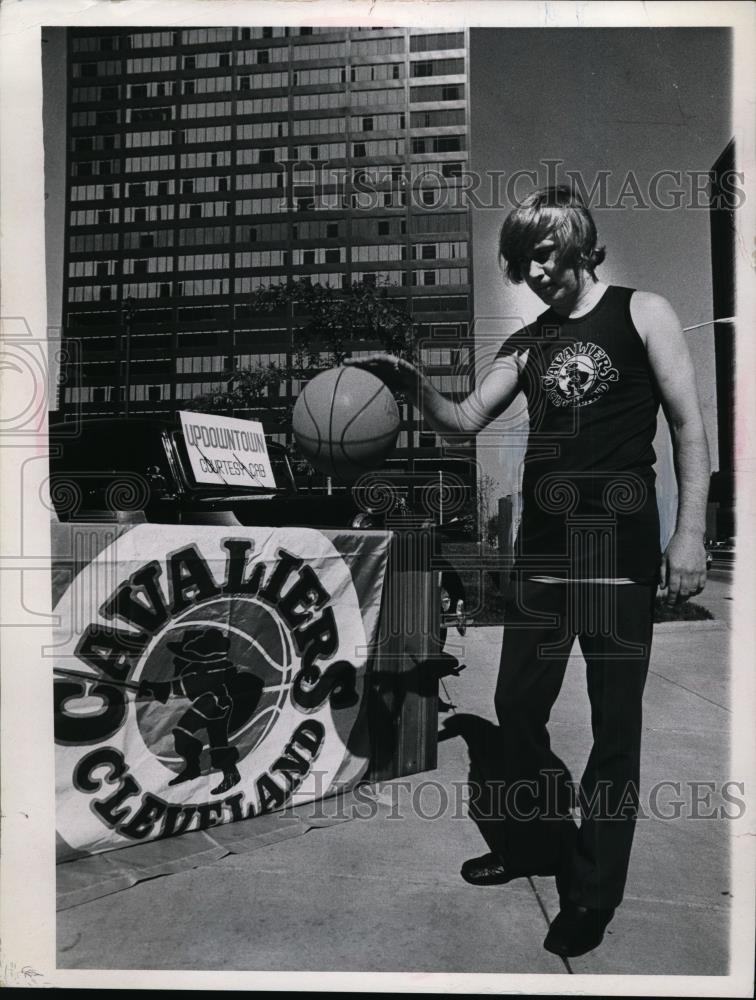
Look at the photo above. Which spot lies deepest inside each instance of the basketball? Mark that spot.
(346, 422)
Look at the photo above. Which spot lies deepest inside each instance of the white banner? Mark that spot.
(204, 675)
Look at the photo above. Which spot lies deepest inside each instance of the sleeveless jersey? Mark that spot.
(589, 503)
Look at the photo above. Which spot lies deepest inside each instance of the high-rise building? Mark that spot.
(204, 163)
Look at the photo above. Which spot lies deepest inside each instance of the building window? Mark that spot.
(451, 169)
(332, 230)
(103, 218)
(165, 290)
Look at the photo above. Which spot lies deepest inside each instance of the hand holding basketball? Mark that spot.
(399, 375)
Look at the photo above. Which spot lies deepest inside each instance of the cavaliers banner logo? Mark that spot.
(210, 674)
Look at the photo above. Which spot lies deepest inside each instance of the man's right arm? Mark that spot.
(454, 421)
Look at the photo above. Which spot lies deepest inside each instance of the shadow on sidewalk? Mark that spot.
(485, 752)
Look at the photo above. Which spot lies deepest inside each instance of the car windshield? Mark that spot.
(110, 446)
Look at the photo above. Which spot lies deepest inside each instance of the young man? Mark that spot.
(594, 367)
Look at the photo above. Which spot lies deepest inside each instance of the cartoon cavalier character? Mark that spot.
(576, 378)
(206, 677)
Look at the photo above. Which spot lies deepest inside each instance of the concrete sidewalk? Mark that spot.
(384, 893)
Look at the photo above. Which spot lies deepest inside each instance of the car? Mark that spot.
(139, 469)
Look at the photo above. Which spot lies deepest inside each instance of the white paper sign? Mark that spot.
(227, 451)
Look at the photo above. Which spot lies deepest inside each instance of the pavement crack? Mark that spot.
(680, 903)
(432, 879)
(691, 691)
(542, 907)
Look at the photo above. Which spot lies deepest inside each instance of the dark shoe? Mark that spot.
(576, 930)
(190, 771)
(230, 778)
(492, 869)
(563, 886)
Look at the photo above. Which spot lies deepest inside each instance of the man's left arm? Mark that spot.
(683, 567)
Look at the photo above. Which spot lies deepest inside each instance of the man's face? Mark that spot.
(553, 283)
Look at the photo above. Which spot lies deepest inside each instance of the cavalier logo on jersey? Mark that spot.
(214, 680)
(578, 375)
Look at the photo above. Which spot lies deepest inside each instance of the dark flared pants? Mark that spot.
(613, 624)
